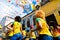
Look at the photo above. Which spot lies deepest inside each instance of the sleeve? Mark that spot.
(38, 19)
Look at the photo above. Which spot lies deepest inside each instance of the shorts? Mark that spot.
(17, 36)
(45, 37)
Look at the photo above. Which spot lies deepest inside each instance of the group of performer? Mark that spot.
(42, 32)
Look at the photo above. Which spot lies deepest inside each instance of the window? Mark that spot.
(51, 18)
(59, 12)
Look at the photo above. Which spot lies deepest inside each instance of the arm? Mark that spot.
(21, 28)
(38, 24)
(52, 32)
(9, 26)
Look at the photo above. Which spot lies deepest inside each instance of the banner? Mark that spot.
(11, 8)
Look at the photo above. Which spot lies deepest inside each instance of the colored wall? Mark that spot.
(57, 16)
(50, 8)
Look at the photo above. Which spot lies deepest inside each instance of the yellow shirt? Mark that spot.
(44, 29)
(16, 27)
(10, 33)
(32, 35)
(24, 33)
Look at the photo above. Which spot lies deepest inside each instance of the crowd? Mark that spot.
(42, 32)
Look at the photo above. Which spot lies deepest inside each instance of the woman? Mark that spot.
(55, 31)
(9, 33)
(17, 29)
(42, 27)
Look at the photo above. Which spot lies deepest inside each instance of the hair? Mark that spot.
(37, 7)
(18, 18)
(53, 23)
(40, 14)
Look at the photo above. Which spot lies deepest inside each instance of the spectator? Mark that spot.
(55, 31)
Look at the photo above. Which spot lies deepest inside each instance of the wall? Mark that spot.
(50, 7)
(57, 16)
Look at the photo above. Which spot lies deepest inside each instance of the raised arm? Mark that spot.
(9, 26)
